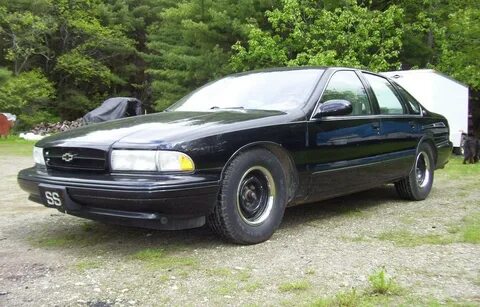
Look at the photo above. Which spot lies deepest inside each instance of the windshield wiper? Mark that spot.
(216, 108)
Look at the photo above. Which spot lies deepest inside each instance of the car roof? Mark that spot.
(293, 68)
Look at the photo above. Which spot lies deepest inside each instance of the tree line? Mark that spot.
(61, 58)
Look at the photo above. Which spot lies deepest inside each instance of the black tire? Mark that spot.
(417, 185)
(252, 198)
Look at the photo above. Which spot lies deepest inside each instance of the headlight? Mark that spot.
(134, 160)
(174, 161)
(38, 156)
(150, 160)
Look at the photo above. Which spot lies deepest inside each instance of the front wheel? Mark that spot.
(252, 198)
(417, 185)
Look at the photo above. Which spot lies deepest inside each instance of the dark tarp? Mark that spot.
(114, 108)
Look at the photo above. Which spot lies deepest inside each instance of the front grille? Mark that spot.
(73, 158)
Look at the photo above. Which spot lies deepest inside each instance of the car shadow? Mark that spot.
(348, 205)
(78, 234)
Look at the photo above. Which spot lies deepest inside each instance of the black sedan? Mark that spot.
(236, 152)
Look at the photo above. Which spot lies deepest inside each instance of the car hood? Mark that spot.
(153, 130)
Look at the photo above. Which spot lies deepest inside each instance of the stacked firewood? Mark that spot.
(51, 128)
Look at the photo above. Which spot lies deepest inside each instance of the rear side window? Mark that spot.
(387, 99)
(413, 104)
(346, 85)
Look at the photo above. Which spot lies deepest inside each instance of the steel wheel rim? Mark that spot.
(422, 169)
(255, 195)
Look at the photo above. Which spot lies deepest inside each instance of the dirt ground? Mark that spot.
(323, 254)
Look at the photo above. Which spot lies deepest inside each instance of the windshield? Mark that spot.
(275, 90)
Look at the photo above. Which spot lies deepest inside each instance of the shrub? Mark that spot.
(383, 284)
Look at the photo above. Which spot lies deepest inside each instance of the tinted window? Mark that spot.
(346, 85)
(275, 90)
(412, 102)
(387, 99)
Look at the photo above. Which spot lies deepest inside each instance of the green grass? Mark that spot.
(15, 146)
(88, 264)
(477, 280)
(455, 169)
(467, 231)
(54, 241)
(310, 272)
(232, 281)
(243, 276)
(407, 238)
(383, 284)
(448, 303)
(294, 286)
(160, 258)
(354, 298)
(240, 275)
(226, 288)
(252, 286)
(348, 298)
(233, 286)
(70, 240)
(348, 210)
(382, 291)
(219, 272)
(471, 229)
(88, 234)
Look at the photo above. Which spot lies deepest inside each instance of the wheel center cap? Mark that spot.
(251, 196)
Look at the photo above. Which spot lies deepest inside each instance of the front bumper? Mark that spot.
(163, 202)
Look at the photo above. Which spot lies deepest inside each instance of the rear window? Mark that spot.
(387, 99)
(413, 105)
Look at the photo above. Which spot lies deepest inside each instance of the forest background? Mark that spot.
(59, 59)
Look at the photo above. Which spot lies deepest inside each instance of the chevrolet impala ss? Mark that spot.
(234, 153)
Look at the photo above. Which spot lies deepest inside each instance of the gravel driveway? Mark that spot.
(321, 252)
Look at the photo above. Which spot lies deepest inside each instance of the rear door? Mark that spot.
(400, 126)
(340, 148)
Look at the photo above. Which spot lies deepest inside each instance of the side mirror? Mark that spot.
(334, 107)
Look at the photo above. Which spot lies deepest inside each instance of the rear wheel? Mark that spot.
(417, 185)
(252, 199)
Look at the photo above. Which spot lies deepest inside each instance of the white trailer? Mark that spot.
(440, 94)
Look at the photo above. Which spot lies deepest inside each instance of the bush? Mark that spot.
(27, 92)
(5, 74)
(25, 121)
(381, 283)
(74, 104)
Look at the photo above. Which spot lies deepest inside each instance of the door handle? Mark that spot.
(412, 124)
(376, 125)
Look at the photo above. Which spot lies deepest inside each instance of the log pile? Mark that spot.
(51, 128)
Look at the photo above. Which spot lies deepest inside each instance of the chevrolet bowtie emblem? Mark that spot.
(67, 157)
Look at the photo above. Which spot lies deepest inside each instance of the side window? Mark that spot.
(387, 99)
(412, 102)
(346, 85)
